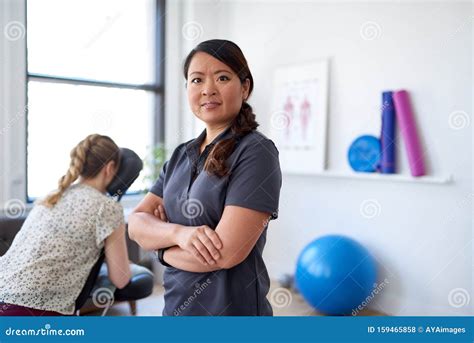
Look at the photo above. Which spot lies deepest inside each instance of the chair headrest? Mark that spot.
(129, 169)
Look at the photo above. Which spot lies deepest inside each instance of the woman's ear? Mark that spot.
(110, 169)
(245, 89)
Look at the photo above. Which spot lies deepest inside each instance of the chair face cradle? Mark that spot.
(129, 169)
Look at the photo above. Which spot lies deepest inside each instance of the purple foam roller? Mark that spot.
(406, 123)
(387, 136)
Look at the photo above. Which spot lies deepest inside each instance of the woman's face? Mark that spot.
(215, 93)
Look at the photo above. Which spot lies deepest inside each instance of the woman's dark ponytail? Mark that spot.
(244, 123)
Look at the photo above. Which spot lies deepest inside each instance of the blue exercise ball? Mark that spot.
(335, 274)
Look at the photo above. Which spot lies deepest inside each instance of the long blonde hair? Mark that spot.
(87, 160)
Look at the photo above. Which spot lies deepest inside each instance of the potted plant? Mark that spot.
(152, 164)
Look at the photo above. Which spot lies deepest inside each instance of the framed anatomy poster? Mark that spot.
(299, 116)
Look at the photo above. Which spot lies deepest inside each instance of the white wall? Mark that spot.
(422, 236)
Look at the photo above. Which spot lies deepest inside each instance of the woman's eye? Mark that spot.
(196, 80)
(223, 78)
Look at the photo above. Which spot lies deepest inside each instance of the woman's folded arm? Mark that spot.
(148, 230)
(238, 230)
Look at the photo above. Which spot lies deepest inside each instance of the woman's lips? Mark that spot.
(210, 105)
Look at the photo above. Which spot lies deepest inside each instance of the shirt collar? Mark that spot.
(196, 143)
(192, 148)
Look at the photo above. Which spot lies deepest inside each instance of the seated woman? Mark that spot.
(48, 263)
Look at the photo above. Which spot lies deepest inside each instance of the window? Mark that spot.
(94, 66)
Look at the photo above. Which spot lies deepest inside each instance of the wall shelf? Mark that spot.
(387, 177)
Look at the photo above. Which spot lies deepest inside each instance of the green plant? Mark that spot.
(152, 164)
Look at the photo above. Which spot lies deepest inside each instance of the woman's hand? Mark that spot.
(160, 213)
(202, 242)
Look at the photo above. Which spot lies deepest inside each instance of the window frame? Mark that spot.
(157, 88)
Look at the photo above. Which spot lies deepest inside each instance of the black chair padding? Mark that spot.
(129, 169)
(139, 287)
(90, 282)
(9, 227)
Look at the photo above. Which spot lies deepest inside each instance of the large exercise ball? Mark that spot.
(335, 274)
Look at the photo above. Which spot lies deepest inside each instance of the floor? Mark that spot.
(284, 303)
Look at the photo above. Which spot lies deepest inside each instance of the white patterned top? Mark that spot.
(52, 255)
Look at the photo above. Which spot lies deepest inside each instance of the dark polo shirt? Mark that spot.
(192, 197)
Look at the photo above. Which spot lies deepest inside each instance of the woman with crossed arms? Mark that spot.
(208, 212)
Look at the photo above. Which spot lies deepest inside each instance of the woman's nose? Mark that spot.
(209, 89)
